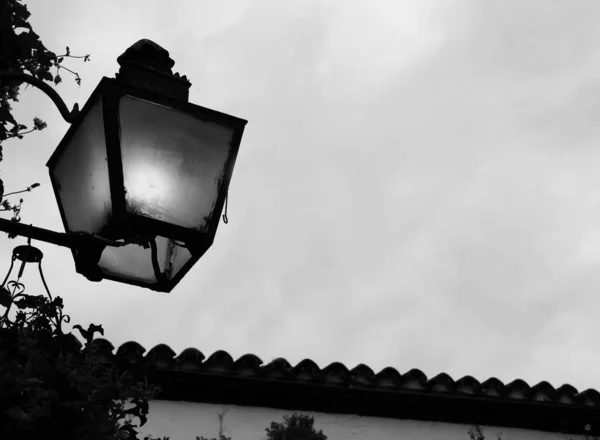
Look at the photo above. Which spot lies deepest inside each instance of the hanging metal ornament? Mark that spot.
(11, 291)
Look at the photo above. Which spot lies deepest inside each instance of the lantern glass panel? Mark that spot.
(173, 162)
(133, 262)
(81, 175)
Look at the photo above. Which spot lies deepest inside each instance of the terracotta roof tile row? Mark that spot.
(337, 374)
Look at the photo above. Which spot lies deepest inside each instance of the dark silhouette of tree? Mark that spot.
(295, 427)
(21, 50)
(51, 384)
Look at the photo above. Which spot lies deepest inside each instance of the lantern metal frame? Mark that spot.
(110, 91)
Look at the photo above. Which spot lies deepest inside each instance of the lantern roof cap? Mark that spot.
(147, 53)
(147, 65)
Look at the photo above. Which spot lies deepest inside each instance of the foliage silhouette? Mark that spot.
(295, 427)
(21, 50)
(52, 385)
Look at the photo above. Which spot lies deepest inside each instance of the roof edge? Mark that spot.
(193, 377)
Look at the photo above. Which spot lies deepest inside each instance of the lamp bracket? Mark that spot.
(71, 240)
(17, 75)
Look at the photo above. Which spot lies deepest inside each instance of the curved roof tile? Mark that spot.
(518, 389)
(219, 362)
(248, 365)
(131, 351)
(190, 359)
(102, 348)
(589, 397)
(468, 385)
(278, 368)
(388, 378)
(566, 394)
(362, 375)
(543, 392)
(492, 387)
(442, 383)
(336, 373)
(162, 356)
(414, 379)
(306, 370)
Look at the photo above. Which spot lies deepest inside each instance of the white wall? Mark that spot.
(185, 421)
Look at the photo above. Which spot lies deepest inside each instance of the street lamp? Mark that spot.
(141, 176)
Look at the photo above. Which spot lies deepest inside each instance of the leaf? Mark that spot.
(46, 76)
(84, 333)
(33, 381)
(93, 328)
(5, 115)
(18, 413)
(5, 297)
(27, 39)
(29, 301)
(121, 435)
(60, 60)
(21, 304)
(58, 302)
(57, 79)
(21, 12)
(21, 23)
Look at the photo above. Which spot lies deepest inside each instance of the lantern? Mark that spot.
(144, 171)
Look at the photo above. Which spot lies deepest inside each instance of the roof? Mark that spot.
(190, 376)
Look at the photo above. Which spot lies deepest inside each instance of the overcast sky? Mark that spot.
(417, 186)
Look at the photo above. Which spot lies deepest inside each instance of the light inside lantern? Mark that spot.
(81, 175)
(171, 256)
(173, 162)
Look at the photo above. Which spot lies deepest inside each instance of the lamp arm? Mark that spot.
(73, 240)
(68, 116)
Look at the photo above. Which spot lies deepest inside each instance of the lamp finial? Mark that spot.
(147, 65)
